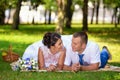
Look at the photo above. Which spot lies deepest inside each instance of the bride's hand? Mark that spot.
(51, 67)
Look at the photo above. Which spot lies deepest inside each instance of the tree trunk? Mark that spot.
(2, 17)
(60, 23)
(8, 18)
(35, 9)
(85, 16)
(97, 11)
(112, 18)
(49, 20)
(68, 13)
(2, 14)
(116, 16)
(119, 16)
(45, 14)
(93, 11)
(104, 15)
(16, 16)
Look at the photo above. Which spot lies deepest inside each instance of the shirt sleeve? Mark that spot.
(68, 59)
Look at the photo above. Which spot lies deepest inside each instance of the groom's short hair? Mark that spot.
(82, 35)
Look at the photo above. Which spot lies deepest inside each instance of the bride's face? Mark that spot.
(58, 45)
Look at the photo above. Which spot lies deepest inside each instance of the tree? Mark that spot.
(50, 5)
(60, 14)
(15, 24)
(4, 4)
(97, 11)
(93, 11)
(85, 15)
(119, 16)
(49, 20)
(115, 4)
(2, 15)
(35, 5)
(68, 13)
(115, 15)
(84, 5)
(104, 12)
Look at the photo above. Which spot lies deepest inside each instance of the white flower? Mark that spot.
(28, 64)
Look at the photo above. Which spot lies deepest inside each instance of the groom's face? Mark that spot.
(76, 44)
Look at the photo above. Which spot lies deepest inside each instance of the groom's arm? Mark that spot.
(94, 66)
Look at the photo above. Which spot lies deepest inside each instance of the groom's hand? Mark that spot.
(75, 67)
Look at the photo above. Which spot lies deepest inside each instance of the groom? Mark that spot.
(84, 55)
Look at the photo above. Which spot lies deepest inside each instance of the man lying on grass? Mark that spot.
(83, 55)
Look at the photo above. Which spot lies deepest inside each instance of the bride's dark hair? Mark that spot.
(50, 38)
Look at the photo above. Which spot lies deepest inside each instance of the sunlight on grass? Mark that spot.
(16, 40)
(117, 77)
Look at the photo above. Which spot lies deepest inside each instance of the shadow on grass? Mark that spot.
(46, 28)
(33, 29)
(103, 33)
(28, 29)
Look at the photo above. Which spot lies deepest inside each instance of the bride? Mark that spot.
(52, 54)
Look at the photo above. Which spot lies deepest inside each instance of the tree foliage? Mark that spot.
(5, 4)
(111, 3)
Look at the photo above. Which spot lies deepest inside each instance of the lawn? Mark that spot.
(27, 34)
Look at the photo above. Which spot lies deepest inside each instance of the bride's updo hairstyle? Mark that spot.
(50, 38)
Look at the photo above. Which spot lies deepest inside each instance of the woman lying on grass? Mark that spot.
(51, 56)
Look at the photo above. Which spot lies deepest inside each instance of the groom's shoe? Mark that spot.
(109, 54)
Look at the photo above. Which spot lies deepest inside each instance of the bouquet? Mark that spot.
(27, 64)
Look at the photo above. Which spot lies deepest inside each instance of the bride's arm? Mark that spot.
(41, 61)
(61, 59)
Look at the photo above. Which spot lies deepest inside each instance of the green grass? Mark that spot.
(27, 34)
